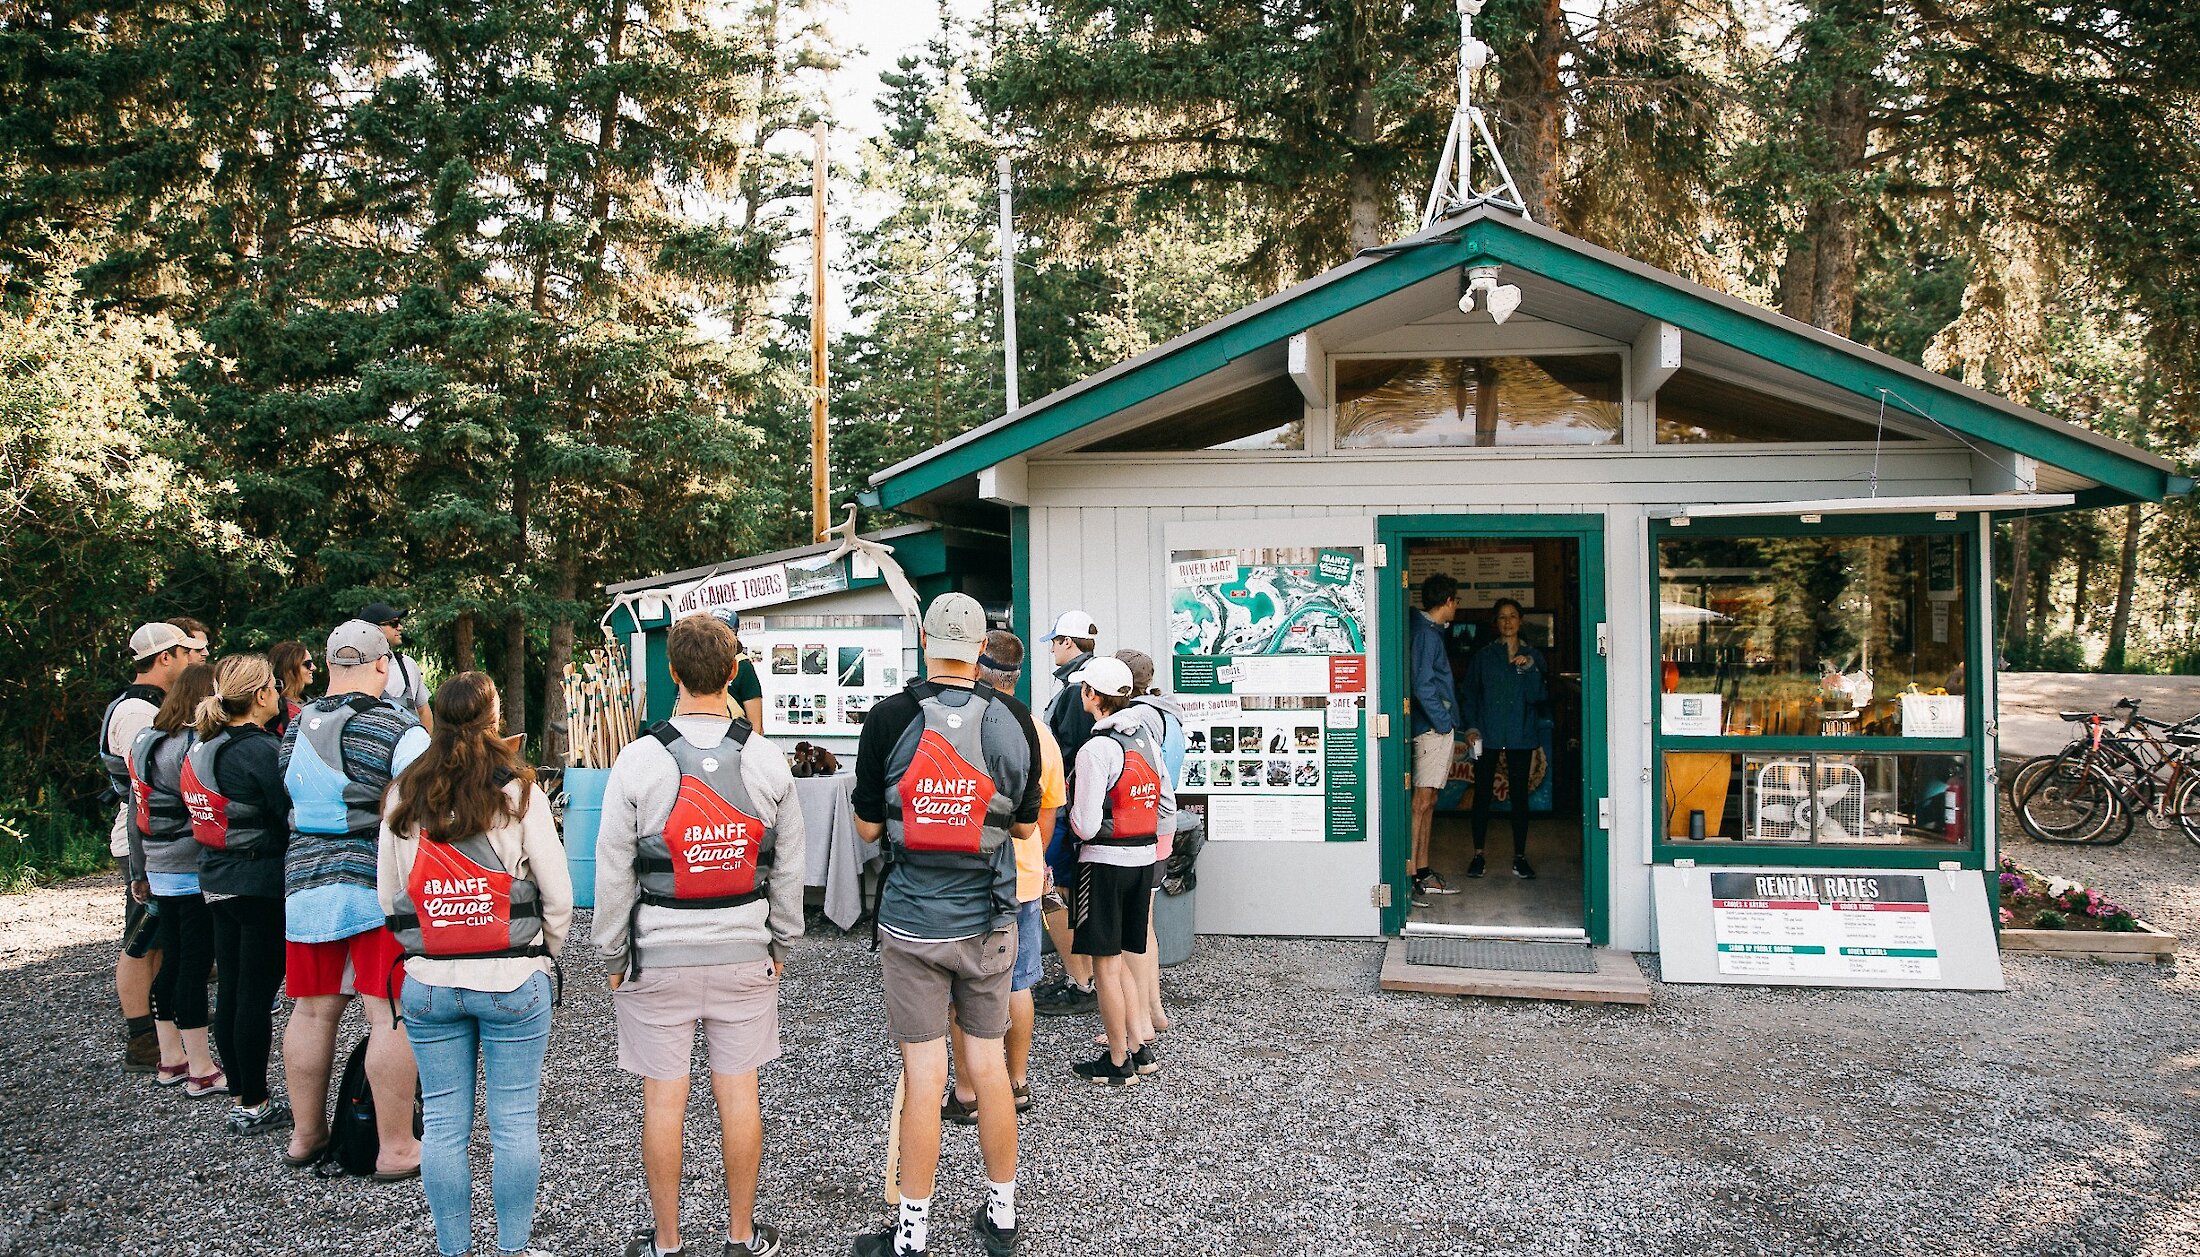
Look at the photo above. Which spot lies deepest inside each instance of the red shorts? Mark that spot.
(364, 963)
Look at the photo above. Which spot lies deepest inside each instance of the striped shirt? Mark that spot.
(329, 883)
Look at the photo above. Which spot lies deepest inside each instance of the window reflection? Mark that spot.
(1478, 402)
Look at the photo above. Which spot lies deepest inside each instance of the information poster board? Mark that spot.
(1827, 927)
(820, 682)
(1269, 660)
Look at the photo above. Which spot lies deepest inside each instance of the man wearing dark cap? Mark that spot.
(408, 686)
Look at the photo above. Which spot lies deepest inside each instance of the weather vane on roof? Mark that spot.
(1447, 195)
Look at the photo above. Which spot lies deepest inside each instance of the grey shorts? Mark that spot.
(736, 1005)
(922, 978)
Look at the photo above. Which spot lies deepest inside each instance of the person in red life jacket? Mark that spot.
(293, 664)
(473, 878)
(699, 867)
(1120, 801)
(947, 775)
(164, 870)
(161, 652)
(233, 789)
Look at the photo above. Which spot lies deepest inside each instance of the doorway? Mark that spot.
(1545, 574)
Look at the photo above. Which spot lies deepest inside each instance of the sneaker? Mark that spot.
(1477, 868)
(1144, 1061)
(763, 1242)
(1430, 882)
(881, 1244)
(644, 1243)
(1069, 1001)
(143, 1054)
(954, 1110)
(1103, 1071)
(998, 1241)
(1522, 869)
(270, 1115)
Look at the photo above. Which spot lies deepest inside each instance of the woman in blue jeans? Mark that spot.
(474, 880)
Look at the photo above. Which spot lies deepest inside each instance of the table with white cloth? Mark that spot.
(837, 856)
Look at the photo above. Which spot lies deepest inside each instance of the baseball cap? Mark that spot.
(151, 639)
(954, 628)
(1106, 675)
(381, 613)
(1141, 665)
(1074, 624)
(356, 642)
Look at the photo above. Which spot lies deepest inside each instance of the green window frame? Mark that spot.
(1971, 854)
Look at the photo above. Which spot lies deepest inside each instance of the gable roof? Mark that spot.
(1483, 234)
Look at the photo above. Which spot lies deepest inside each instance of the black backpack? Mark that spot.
(353, 1141)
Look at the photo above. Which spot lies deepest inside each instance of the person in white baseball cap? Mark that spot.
(1072, 640)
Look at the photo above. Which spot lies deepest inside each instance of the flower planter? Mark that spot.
(2143, 946)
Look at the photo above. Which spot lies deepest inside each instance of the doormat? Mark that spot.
(1498, 953)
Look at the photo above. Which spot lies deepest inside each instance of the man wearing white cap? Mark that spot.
(161, 652)
(1075, 633)
(1121, 801)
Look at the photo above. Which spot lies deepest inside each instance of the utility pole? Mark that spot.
(1008, 284)
(820, 462)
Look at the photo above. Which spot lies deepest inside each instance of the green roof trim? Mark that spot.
(2125, 473)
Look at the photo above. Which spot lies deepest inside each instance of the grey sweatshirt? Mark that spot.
(637, 800)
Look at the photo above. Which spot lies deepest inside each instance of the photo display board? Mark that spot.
(819, 682)
(1269, 660)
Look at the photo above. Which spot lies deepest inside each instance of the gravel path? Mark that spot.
(1299, 1111)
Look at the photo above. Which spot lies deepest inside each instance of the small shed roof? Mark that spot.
(1583, 284)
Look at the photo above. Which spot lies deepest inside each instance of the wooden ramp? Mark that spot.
(1617, 980)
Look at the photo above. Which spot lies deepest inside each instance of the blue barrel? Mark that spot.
(583, 817)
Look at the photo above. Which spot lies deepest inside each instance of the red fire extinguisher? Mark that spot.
(1952, 813)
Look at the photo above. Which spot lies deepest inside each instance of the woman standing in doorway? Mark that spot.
(747, 690)
(1497, 702)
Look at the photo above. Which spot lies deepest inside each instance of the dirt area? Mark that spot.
(1298, 1110)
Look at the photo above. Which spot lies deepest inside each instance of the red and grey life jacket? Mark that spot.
(116, 764)
(714, 849)
(324, 799)
(1130, 814)
(156, 780)
(217, 821)
(461, 903)
(943, 806)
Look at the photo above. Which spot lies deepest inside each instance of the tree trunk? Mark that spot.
(2127, 579)
(2084, 588)
(2020, 591)
(1531, 104)
(462, 642)
(554, 732)
(1797, 274)
(1367, 209)
(515, 627)
(2043, 575)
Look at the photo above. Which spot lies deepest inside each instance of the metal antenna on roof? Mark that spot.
(1448, 195)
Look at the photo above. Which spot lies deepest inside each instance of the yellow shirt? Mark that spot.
(1031, 853)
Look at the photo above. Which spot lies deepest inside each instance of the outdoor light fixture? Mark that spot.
(1499, 299)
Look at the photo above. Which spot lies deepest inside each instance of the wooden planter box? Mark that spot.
(2145, 946)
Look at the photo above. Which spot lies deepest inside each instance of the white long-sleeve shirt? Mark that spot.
(529, 847)
(1099, 763)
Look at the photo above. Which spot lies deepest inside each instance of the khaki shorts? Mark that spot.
(1432, 753)
(737, 1006)
(921, 978)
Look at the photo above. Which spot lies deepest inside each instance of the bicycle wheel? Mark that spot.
(2184, 806)
(2025, 775)
(2070, 800)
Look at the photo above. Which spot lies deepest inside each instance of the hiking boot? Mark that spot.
(269, 1115)
(1103, 1071)
(763, 1242)
(881, 1244)
(1068, 1000)
(1522, 869)
(143, 1054)
(961, 1114)
(1478, 867)
(1144, 1061)
(998, 1241)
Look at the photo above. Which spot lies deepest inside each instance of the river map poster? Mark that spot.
(1278, 636)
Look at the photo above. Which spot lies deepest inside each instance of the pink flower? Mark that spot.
(2008, 917)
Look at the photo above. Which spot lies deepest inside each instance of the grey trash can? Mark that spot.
(1173, 919)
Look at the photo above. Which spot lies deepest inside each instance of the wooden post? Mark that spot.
(820, 463)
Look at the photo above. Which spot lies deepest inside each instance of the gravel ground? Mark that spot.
(1299, 1110)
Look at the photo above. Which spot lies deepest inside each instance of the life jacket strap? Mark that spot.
(662, 864)
(655, 900)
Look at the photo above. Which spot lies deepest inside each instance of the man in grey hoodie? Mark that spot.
(699, 868)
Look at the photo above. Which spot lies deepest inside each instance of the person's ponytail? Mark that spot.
(210, 718)
(238, 680)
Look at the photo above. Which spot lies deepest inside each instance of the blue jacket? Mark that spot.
(1499, 700)
(1435, 700)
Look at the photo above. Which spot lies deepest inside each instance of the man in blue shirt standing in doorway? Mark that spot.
(1435, 721)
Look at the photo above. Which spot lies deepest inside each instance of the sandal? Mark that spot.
(299, 1163)
(399, 1177)
(170, 1076)
(216, 1083)
(1022, 1092)
(954, 1110)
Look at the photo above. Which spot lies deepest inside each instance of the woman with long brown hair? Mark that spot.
(474, 880)
(293, 665)
(164, 872)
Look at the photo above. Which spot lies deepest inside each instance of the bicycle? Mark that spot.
(2094, 789)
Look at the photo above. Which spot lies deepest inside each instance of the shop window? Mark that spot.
(1270, 415)
(1813, 798)
(1697, 409)
(1813, 636)
(1413, 403)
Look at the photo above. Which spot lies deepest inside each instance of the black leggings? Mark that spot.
(1517, 762)
(248, 942)
(186, 959)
